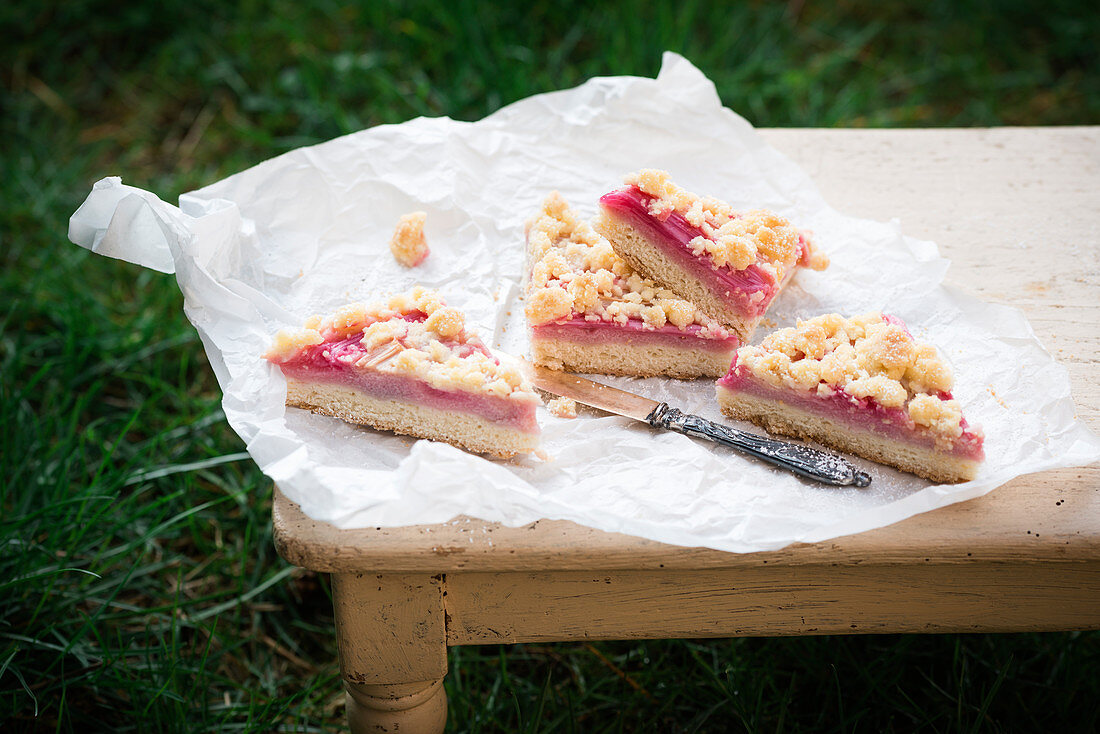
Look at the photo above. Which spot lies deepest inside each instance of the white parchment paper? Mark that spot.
(308, 231)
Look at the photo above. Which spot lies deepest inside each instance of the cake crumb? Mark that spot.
(997, 397)
(563, 407)
(408, 244)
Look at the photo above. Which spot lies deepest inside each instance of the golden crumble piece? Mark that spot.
(426, 300)
(548, 304)
(350, 318)
(446, 321)
(584, 291)
(601, 257)
(384, 332)
(401, 303)
(510, 374)
(410, 361)
(563, 407)
(408, 244)
(773, 368)
(942, 416)
(929, 373)
(775, 236)
(678, 311)
(880, 387)
(556, 208)
(289, 342)
(886, 347)
(438, 351)
(654, 316)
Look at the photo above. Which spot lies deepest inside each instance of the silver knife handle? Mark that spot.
(802, 460)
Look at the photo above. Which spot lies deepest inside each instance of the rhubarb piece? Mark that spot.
(590, 312)
(862, 385)
(732, 265)
(411, 367)
(408, 244)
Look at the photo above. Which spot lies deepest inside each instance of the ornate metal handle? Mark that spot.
(802, 460)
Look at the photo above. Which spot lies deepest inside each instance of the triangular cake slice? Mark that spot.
(588, 311)
(732, 265)
(862, 385)
(411, 367)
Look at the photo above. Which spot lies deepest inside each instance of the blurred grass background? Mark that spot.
(138, 586)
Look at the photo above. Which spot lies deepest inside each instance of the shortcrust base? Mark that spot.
(464, 430)
(788, 420)
(649, 360)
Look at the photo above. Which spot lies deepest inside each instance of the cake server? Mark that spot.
(802, 460)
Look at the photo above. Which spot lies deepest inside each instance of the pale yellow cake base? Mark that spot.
(640, 253)
(464, 430)
(631, 360)
(788, 420)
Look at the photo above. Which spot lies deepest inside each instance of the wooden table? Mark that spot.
(1018, 212)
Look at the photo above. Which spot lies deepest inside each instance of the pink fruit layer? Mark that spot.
(633, 332)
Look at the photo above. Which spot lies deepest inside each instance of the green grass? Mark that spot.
(138, 585)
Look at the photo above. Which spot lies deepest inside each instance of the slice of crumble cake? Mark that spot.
(589, 311)
(862, 385)
(409, 366)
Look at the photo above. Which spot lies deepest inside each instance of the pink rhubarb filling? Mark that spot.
(634, 331)
(750, 291)
(860, 413)
(333, 363)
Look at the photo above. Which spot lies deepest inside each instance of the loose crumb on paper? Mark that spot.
(997, 397)
(408, 245)
(563, 407)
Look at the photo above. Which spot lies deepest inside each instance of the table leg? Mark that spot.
(391, 634)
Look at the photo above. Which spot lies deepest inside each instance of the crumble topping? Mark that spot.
(941, 416)
(446, 321)
(869, 356)
(408, 245)
(575, 271)
(563, 407)
(413, 334)
(288, 343)
(730, 239)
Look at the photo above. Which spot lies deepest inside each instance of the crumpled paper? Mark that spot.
(308, 231)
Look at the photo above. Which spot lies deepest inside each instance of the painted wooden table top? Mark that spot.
(1017, 211)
